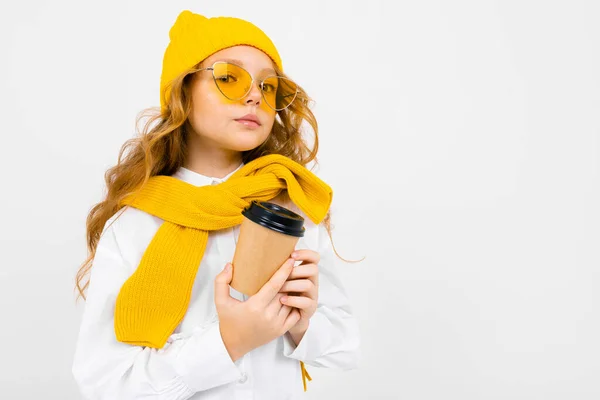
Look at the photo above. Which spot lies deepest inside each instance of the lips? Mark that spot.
(249, 117)
(249, 124)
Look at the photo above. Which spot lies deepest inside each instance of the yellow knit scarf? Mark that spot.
(154, 300)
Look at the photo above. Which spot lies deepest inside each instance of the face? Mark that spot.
(213, 116)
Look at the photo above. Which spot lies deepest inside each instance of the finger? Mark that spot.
(291, 320)
(301, 302)
(299, 285)
(271, 288)
(284, 311)
(222, 281)
(307, 256)
(305, 271)
(312, 293)
(275, 305)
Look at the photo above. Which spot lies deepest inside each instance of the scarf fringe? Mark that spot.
(305, 375)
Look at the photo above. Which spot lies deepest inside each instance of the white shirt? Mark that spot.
(194, 363)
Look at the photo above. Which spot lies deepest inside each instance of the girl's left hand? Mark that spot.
(302, 288)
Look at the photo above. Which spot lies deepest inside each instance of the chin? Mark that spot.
(244, 145)
(241, 149)
(245, 141)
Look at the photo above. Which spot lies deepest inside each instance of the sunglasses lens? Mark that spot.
(279, 92)
(232, 81)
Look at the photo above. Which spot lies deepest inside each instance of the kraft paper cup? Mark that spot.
(268, 236)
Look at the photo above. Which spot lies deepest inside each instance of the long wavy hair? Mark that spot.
(160, 148)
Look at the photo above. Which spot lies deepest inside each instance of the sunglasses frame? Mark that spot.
(212, 69)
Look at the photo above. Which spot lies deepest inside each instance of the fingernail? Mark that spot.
(227, 266)
(284, 298)
(294, 254)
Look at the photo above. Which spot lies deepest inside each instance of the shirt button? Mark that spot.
(244, 378)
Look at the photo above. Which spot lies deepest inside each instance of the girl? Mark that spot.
(160, 319)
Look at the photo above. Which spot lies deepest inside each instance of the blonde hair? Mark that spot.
(161, 148)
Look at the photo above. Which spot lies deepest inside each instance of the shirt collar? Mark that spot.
(197, 179)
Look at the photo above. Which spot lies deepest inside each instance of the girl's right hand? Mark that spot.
(247, 325)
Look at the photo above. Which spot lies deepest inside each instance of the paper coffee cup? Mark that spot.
(268, 236)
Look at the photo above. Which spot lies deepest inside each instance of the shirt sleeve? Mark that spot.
(332, 339)
(105, 368)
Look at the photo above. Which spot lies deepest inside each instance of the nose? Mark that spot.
(254, 96)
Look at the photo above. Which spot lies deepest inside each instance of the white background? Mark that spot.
(462, 140)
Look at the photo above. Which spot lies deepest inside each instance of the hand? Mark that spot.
(257, 321)
(302, 290)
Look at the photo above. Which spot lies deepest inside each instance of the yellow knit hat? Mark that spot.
(193, 37)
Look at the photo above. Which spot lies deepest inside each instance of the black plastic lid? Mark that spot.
(275, 217)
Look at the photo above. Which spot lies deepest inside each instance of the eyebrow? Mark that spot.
(239, 62)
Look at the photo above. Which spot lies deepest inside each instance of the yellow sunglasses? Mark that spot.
(234, 82)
